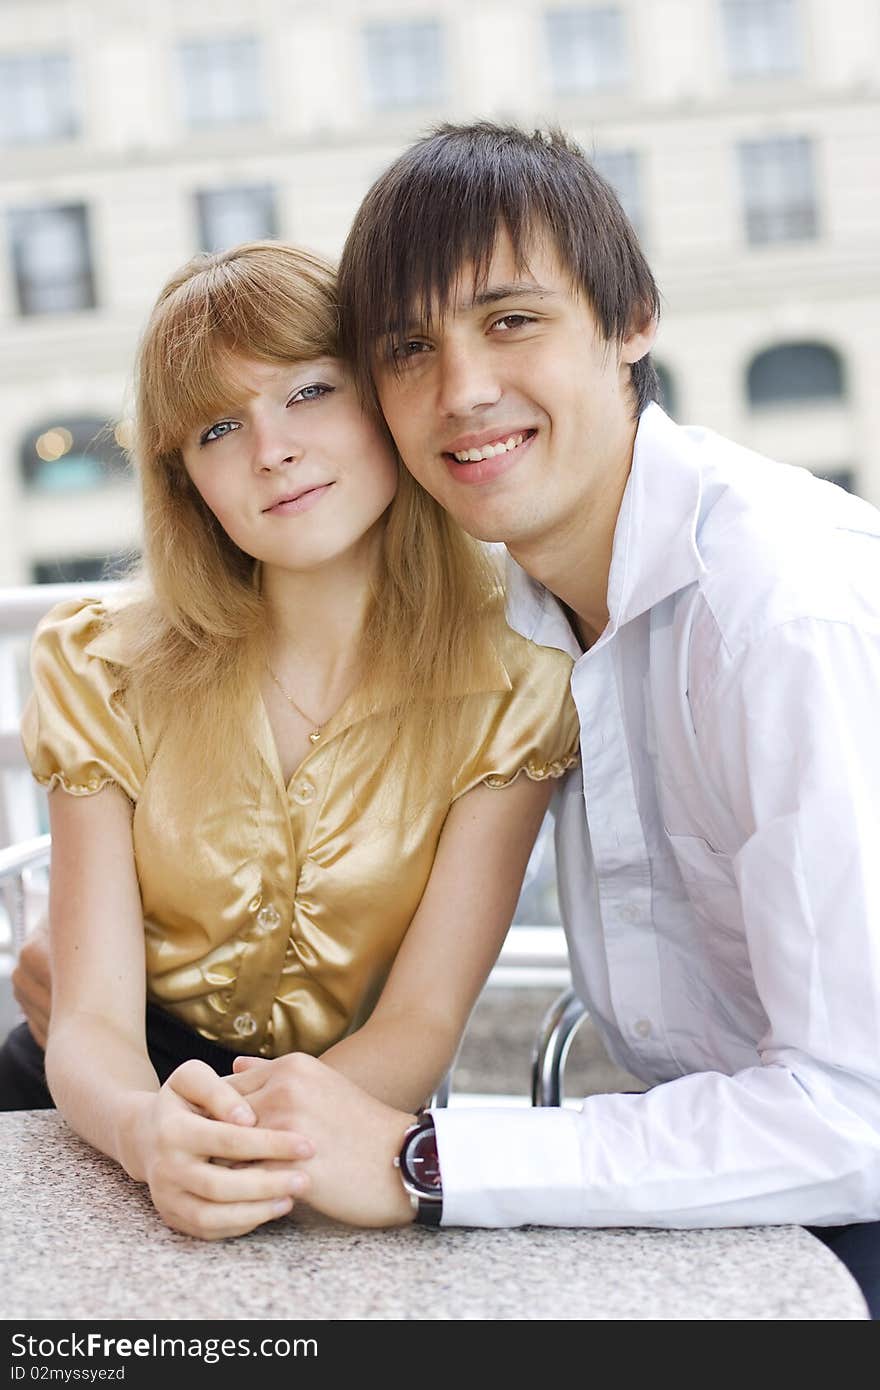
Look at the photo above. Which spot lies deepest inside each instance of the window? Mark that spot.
(668, 393)
(51, 259)
(222, 82)
(587, 49)
(778, 189)
(795, 372)
(36, 98)
(72, 455)
(228, 216)
(761, 37)
(843, 477)
(73, 569)
(621, 169)
(405, 65)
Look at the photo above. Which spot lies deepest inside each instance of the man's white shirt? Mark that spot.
(718, 856)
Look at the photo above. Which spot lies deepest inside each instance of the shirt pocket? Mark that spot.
(709, 879)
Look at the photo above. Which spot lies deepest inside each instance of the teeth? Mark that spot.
(489, 451)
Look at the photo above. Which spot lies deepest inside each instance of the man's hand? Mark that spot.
(32, 982)
(355, 1137)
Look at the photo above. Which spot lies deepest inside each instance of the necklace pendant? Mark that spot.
(314, 736)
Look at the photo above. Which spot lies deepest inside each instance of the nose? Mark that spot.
(274, 444)
(468, 379)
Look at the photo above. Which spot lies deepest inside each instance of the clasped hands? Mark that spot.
(223, 1155)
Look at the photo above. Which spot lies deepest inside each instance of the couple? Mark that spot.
(297, 807)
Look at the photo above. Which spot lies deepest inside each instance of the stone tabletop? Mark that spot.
(81, 1241)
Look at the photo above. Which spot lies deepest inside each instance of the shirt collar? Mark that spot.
(654, 553)
(655, 550)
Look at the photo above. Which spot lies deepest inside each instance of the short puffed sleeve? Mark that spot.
(531, 727)
(76, 729)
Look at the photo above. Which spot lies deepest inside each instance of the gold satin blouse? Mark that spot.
(273, 915)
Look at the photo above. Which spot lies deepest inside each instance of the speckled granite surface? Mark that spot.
(81, 1241)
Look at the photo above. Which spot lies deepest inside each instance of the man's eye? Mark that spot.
(510, 321)
(218, 431)
(313, 392)
(408, 347)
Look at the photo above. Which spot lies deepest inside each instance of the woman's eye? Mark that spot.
(313, 392)
(218, 431)
(512, 321)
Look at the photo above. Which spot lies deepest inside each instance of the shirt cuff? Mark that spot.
(517, 1167)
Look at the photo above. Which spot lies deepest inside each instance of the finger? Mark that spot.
(251, 1183)
(219, 1220)
(198, 1084)
(35, 1010)
(30, 992)
(34, 961)
(246, 1082)
(245, 1063)
(244, 1144)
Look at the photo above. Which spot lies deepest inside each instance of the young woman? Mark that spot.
(283, 766)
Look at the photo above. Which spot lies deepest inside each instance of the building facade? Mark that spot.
(741, 135)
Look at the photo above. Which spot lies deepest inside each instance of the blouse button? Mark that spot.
(267, 919)
(245, 1025)
(255, 903)
(303, 793)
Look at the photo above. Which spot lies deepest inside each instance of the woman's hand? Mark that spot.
(211, 1171)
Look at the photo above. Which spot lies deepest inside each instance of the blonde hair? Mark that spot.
(196, 625)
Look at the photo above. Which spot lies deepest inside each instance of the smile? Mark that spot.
(491, 450)
(482, 465)
(301, 502)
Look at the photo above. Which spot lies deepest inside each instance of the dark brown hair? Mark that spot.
(440, 207)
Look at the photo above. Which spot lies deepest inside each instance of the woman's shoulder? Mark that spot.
(80, 630)
(526, 661)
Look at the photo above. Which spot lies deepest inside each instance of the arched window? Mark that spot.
(668, 394)
(72, 455)
(795, 372)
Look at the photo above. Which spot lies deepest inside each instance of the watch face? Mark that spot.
(422, 1165)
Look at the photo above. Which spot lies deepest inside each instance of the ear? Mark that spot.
(639, 341)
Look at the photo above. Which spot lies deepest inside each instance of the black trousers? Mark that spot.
(169, 1042)
(23, 1087)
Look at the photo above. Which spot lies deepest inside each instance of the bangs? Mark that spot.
(263, 301)
(410, 277)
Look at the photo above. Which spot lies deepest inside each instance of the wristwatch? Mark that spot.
(420, 1170)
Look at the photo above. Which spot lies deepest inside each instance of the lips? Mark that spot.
(298, 501)
(488, 457)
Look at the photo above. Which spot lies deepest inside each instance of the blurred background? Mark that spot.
(741, 136)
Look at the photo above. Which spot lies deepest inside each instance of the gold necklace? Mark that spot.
(318, 729)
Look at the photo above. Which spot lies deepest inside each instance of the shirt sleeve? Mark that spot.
(788, 738)
(76, 729)
(530, 728)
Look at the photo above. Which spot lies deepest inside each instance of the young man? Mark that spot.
(717, 852)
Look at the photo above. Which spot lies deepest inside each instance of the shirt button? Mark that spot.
(267, 920)
(303, 793)
(630, 913)
(245, 1025)
(643, 1028)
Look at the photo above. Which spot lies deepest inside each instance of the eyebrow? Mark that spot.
(492, 294)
